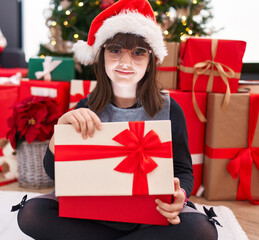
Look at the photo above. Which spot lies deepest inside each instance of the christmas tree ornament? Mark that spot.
(65, 4)
(136, 17)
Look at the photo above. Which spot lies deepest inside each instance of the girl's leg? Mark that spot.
(39, 219)
(193, 226)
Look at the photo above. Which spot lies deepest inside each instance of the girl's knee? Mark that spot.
(199, 226)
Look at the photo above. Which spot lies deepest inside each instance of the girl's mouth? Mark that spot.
(124, 72)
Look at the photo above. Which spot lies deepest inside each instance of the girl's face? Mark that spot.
(125, 68)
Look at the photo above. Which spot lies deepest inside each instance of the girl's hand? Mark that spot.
(83, 119)
(171, 211)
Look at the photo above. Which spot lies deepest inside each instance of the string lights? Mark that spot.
(69, 20)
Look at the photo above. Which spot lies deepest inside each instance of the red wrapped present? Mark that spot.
(195, 129)
(80, 89)
(231, 167)
(56, 90)
(9, 95)
(8, 72)
(211, 65)
(125, 164)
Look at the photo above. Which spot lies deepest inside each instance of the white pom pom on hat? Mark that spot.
(134, 16)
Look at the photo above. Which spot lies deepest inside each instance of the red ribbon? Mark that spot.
(242, 158)
(78, 96)
(167, 69)
(7, 182)
(137, 148)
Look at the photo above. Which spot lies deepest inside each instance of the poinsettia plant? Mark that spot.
(33, 119)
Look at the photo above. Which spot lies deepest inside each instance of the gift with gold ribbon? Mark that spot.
(231, 167)
(126, 160)
(167, 70)
(79, 89)
(52, 68)
(210, 65)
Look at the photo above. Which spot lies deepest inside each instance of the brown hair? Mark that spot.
(148, 93)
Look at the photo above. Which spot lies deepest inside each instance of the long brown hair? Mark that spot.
(148, 94)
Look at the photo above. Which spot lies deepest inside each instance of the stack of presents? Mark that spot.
(203, 76)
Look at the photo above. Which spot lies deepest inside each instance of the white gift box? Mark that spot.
(80, 89)
(77, 174)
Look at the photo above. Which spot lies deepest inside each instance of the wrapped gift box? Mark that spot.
(95, 178)
(8, 72)
(167, 70)
(9, 95)
(80, 89)
(249, 86)
(195, 129)
(199, 56)
(52, 68)
(56, 90)
(232, 148)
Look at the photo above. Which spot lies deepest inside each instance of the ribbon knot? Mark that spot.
(139, 161)
(48, 67)
(241, 166)
(209, 66)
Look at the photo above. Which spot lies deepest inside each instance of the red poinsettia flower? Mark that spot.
(33, 119)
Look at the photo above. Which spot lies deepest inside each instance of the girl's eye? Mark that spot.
(114, 49)
(139, 52)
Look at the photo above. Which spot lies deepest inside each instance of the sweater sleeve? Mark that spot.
(49, 159)
(181, 154)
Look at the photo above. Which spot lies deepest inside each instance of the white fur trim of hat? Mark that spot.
(136, 17)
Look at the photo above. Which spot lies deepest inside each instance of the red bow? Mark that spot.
(139, 161)
(242, 164)
(137, 148)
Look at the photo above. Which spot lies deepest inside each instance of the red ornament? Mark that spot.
(106, 3)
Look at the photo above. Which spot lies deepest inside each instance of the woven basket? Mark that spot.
(30, 165)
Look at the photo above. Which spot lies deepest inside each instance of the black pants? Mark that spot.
(39, 219)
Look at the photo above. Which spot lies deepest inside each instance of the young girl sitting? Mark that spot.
(126, 44)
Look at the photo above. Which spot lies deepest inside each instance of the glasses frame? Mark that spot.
(105, 46)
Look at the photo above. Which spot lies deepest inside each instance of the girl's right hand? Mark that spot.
(83, 119)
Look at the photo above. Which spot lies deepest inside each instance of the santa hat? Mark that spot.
(125, 16)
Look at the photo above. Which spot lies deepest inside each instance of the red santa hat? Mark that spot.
(125, 16)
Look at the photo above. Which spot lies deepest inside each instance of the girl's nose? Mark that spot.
(125, 58)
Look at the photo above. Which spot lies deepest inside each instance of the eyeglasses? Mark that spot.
(137, 54)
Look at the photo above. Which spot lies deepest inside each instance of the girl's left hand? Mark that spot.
(171, 211)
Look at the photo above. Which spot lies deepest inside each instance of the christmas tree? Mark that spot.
(70, 20)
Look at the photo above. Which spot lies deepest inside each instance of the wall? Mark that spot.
(10, 22)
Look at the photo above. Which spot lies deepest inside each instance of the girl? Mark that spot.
(125, 43)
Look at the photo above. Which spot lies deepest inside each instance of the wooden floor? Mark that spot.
(246, 213)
